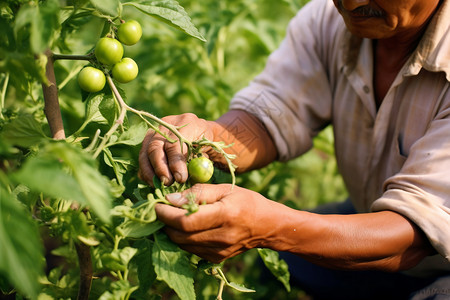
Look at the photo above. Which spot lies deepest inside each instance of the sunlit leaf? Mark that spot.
(172, 266)
(277, 266)
(23, 131)
(170, 12)
(64, 171)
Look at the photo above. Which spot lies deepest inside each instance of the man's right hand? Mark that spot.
(167, 160)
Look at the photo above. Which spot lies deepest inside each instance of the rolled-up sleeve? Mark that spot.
(421, 190)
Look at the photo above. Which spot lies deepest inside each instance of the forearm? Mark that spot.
(379, 241)
(250, 140)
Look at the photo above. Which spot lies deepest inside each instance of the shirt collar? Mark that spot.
(433, 51)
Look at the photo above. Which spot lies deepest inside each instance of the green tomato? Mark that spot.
(108, 51)
(200, 169)
(125, 70)
(91, 79)
(130, 32)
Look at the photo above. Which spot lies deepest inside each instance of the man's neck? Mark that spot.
(390, 55)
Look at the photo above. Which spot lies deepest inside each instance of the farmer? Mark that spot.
(379, 72)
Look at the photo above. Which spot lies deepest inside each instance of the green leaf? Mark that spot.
(119, 290)
(109, 7)
(43, 21)
(240, 287)
(47, 175)
(170, 12)
(277, 266)
(100, 108)
(21, 251)
(23, 131)
(61, 170)
(145, 271)
(119, 165)
(172, 266)
(133, 136)
(136, 230)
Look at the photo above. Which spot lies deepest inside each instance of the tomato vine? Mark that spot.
(75, 191)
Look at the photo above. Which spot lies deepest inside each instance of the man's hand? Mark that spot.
(232, 220)
(249, 139)
(165, 159)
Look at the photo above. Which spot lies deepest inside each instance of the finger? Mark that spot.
(213, 254)
(176, 158)
(201, 193)
(146, 172)
(215, 237)
(207, 217)
(158, 159)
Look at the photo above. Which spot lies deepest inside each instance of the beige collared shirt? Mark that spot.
(396, 158)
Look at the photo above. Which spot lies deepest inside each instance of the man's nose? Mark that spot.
(352, 4)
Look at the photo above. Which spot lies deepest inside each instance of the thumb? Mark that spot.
(200, 193)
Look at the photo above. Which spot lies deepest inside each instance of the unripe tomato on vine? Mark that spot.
(200, 169)
(91, 79)
(130, 32)
(108, 51)
(125, 70)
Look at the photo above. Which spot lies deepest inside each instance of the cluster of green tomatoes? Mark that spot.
(109, 53)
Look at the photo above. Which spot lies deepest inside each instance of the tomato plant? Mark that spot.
(108, 51)
(125, 70)
(130, 32)
(200, 169)
(91, 79)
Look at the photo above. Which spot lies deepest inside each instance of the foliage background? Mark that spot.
(181, 74)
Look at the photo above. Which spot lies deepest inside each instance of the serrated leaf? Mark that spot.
(99, 108)
(21, 255)
(277, 266)
(133, 136)
(170, 12)
(145, 271)
(23, 131)
(172, 266)
(63, 171)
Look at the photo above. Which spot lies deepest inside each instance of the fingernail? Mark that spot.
(176, 199)
(177, 176)
(164, 180)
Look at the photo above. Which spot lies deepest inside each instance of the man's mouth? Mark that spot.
(361, 12)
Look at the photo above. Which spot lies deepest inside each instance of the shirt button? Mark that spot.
(366, 89)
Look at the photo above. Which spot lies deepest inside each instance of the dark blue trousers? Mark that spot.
(322, 283)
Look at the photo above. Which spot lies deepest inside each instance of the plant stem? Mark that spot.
(141, 114)
(51, 108)
(71, 75)
(220, 292)
(71, 57)
(3, 95)
(217, 146)
(85, 262)
(54, 118)
(119, 121)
